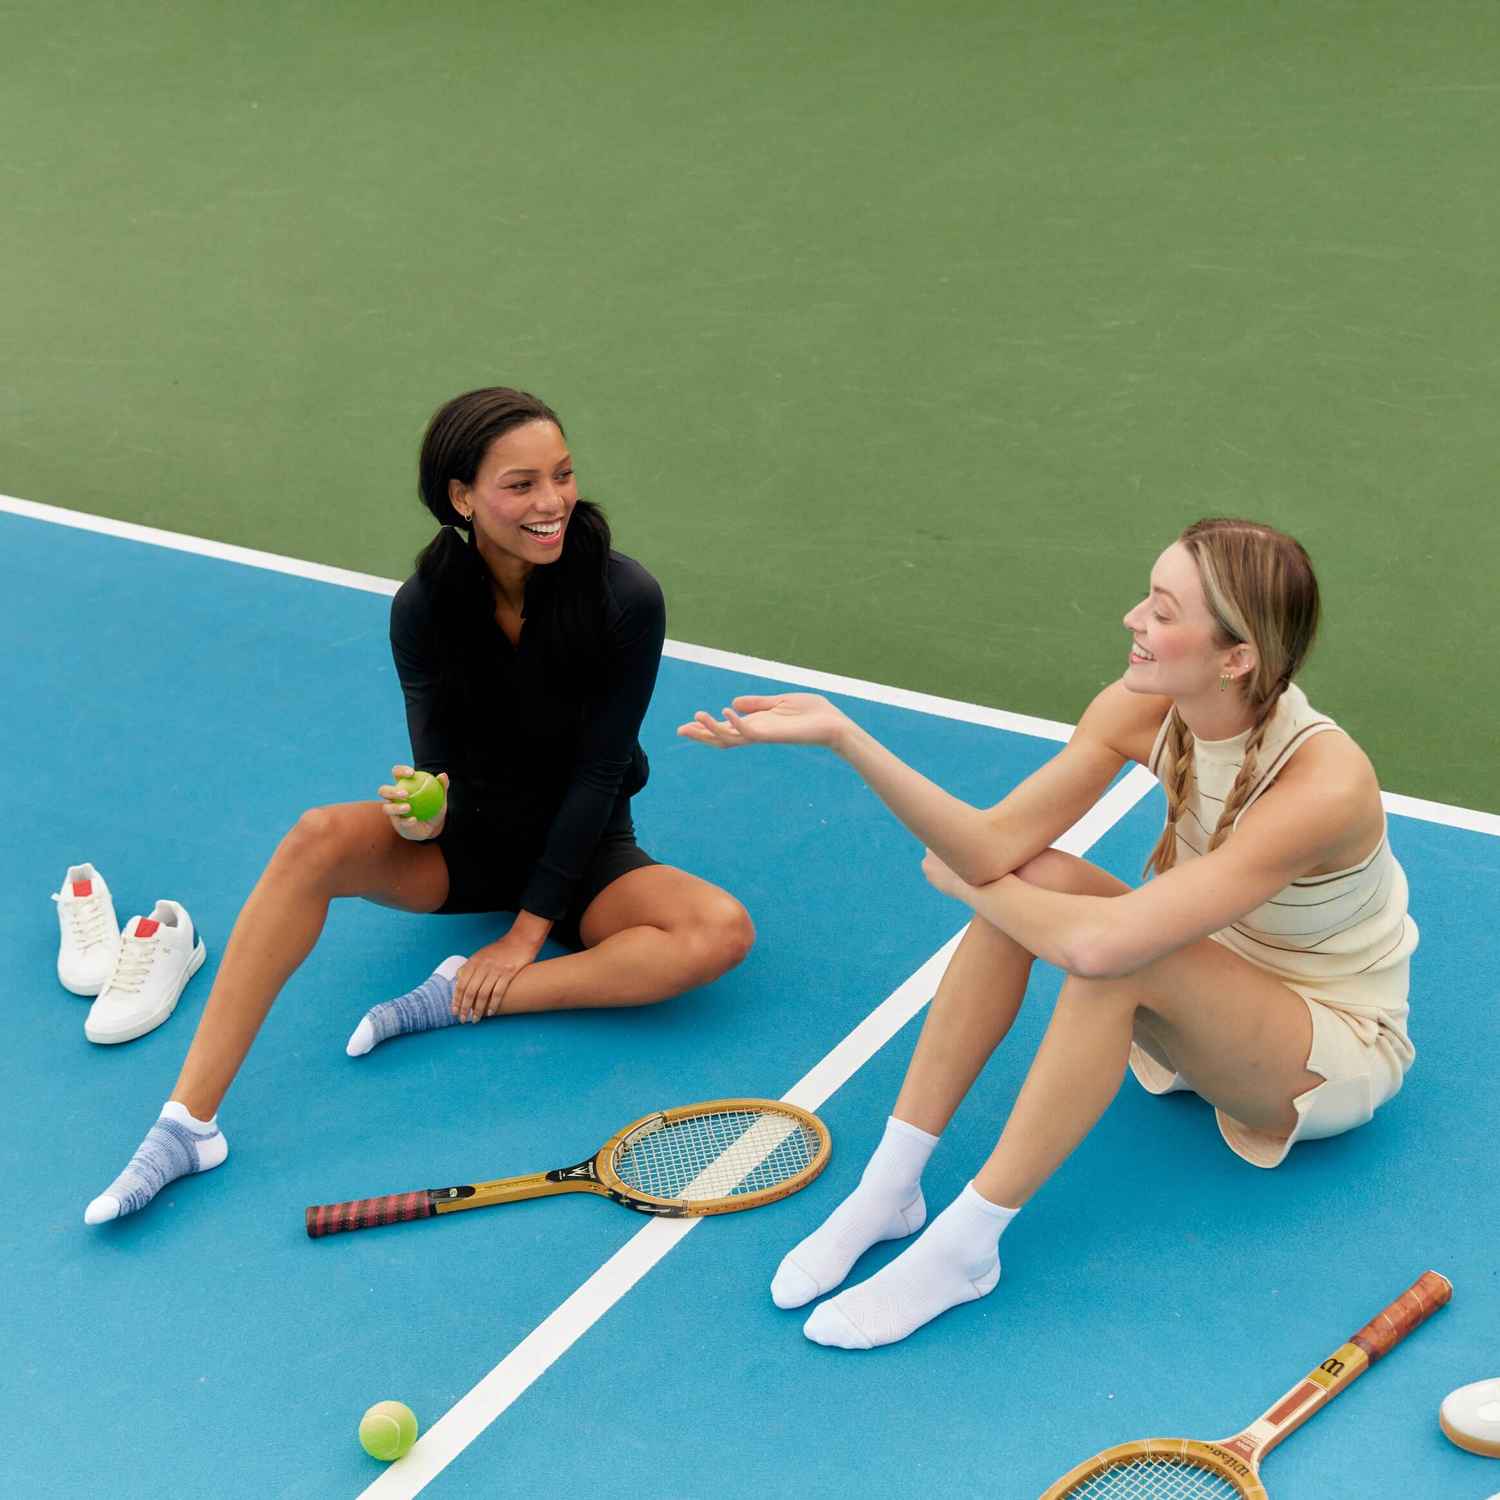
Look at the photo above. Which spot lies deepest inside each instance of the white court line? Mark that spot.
(560, 1330)
(1441, 812)
(469, 1417)
(875, 692)
(708, 656)
(742, 1157)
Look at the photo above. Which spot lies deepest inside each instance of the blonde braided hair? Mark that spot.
(1260, 589)
(1178, 753)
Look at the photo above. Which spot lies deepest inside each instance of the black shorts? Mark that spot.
(483, 875)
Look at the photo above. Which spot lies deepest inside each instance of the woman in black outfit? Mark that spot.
(527, 652)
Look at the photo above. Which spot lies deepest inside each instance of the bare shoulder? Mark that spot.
(1330, 785)
(1333, 768)
(1127, 722)
(1333, 763)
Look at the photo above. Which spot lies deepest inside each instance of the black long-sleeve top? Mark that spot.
(538, 763)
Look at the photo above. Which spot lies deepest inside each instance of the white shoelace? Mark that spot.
(85, 918)
(132, 965)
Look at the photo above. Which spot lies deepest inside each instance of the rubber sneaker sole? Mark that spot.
(107, 1037)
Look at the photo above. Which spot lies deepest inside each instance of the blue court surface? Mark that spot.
(171, 714)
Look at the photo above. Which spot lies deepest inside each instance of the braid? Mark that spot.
(1179, 745)
(1239, 793)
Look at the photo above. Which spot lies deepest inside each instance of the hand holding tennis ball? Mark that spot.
(388, 1430)
(424, 793)
(417, 803)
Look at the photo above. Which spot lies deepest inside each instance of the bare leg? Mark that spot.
(1239, 1035)
(1235, 1032)
(651, 934)
(976, 1002)
(978, 999)
(346, 850)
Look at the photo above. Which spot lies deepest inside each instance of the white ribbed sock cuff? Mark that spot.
(980, 1204)
(911, 1132)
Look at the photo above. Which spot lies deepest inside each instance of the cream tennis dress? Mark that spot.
(1341, 941)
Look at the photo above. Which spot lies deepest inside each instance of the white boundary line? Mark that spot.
(545, 1344)
(561, 1329)
(707, 656)
(874, 692)
(1441, 812)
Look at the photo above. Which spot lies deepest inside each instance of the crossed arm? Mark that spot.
(978, 855)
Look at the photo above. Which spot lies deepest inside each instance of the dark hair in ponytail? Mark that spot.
(565, 600)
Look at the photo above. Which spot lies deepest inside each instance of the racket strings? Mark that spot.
(1155, 1477)
(721, 1154)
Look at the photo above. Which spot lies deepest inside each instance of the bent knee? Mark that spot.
(1101, 992)
(321, 839)
(720, 938)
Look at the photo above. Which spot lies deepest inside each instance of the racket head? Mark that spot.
(1161, 1469)
(717, 1157)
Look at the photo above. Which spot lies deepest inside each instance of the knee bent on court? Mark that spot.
(323, 838)
(719, 938)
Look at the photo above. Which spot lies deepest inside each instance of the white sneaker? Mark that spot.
(158, 955)
(90, 931)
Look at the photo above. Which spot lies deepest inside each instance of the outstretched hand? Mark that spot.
(785, 719)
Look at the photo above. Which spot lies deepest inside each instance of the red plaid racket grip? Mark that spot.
(367, 1213)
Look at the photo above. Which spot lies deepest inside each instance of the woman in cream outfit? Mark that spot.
(1264, 964)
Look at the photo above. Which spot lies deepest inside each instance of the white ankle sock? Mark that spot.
(956, 1260)
(886, 1205)
(178, 1144)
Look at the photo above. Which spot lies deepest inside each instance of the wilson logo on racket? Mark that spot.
(1229, 1469)
(713, 1158)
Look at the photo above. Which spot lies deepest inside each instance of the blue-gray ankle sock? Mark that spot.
(425, 1008)
(177, 1145)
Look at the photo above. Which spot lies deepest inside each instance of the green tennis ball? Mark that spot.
(388, 1430)
(424, 795)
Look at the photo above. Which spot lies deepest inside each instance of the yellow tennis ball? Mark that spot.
(424, 795)
(388, 1430)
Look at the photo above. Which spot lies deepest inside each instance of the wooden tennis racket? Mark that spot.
(1229, 1469)
(713, 1158)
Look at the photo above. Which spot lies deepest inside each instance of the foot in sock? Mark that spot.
(425, 1008)
(177, 1145)
(956, 1260)
(887, 1205)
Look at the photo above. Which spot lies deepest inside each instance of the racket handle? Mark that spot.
(1410, 1310)
(367, 1213)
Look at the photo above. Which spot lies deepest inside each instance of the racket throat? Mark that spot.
(582, 1173)
(585, 1176)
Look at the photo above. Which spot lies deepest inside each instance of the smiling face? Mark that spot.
(1178, 649)
(522, 497)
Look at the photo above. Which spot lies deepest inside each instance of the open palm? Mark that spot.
(785, 719)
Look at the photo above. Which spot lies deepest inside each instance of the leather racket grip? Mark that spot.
(1413, 1307)
(367, 1213)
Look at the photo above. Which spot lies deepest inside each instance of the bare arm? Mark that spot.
(1301, 827)
(979, 844)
